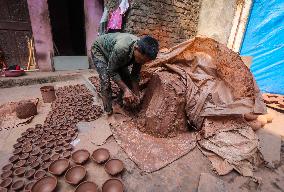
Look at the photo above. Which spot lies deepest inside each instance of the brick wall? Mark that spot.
(170, 21)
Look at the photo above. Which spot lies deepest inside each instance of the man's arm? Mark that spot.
(135, 77)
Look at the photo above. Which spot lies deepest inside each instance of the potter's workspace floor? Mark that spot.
(181, 175)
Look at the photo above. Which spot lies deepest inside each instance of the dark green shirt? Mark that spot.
(116, 50)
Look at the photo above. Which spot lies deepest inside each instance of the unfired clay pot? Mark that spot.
(7, 167)
(18, 185)
(19, 171)
(45, 165)
(6, 174)
(100, 155)
(28, 186)
(59, 166)
(20, 163)
(87, 186)
(75, 174)
(35, 165)
(113, 185)
(3, 189)
(114, 166)
(6, 182)
(54, 157)
(39, 174)
(45, 184)
(80, 156)
(30, 173)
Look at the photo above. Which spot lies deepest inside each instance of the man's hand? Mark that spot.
(129, 97)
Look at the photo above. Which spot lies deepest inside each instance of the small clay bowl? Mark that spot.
(17, 151)
(14, 158)
(30, 130)
(42, 145)
(19, 171)
(87, 186)
(31, 160)
(6, 182)
(46, 151)
(18, 185)
(35, 152)
(20, 139)
(113, 185)
(39, 174)
(114, 166)
(24, 134)
(45, 165)
(80, 156)
(100, 155)
(6, 174)
(58, 149)
(50, 145)
(20, 163)
(29, 173)
(75, 174)
(68, 147)
(24, 156)
(29, 186)
(45, 157)
(7, 167)
(27, 149)
(35, 165)
(59, 166)
(17, 145)
(66, 154)
(55, 157)
(45, 184)
(3, 189)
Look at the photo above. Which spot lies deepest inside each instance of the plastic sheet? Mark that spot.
(263, 40)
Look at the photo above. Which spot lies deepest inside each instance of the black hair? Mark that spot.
(148, 46)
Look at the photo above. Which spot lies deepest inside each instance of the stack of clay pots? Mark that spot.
(275, 99)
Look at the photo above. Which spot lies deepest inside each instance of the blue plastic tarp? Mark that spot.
(264, 40)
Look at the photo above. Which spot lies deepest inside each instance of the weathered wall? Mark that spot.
(216, 18)
(170, 21)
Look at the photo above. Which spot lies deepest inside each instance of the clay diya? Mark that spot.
(29, 186)
(29, 173)
(14, 158)
(58, 149)
(20, 139)
(24, 134)
(7, 167)
(87, 186)
(19, 171)
(45, 184)
(6, 174)
(17, 151)
(27, 149)
(18, 185)
(45, 157)
(35, 152)
(6, 182)
(30, 130)
(59, 166)
(113, 185)
(45, 165)
(17, 145)
(20, 163)
(46, 151)
(68, 147)
(42, 145)
(80, 156)
(50, 145)
(100, 155)
(24, 156)
(35, 165)
(75, 174)
(31, 160)
(114, 167)
(39, 174)
(54, 157)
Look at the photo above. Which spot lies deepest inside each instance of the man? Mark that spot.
(112, 54)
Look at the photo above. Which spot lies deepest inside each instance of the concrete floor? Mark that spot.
(180, 176)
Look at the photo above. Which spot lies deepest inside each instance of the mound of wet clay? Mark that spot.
(163, 107)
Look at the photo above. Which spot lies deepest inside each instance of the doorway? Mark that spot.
(68, 27)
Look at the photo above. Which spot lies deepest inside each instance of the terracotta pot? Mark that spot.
(45, 184)
(6, 174)
(46, 151)
(24, 156)
(75, 174)
(31, 160)
(6, 182)
(54, 157)
(35, 152)
(45, 157)
(80, 156)
(26, 110)
(17, 145)
(29, 186)
(19, 171)
(100, 155)
(113, 185)
(27, 149)
(14, 158)
(18, 185)
(35, 165)
(48, 94)
(17, 151)
(114, 166)
(58, 149)
(45, 165)
(39, 174)
(87, 186)
(20, 163)
(59, 166)
(29, 173)
(7, 167)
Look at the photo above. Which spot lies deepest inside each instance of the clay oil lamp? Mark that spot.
(66, 154)
(39, 174)
(59, 166)
(80, 156)
(45, 165)
(58, 149)
(6, 174)
(113, 185)
(14, 158)
(29, 173)
(68, 139)
(30, 130)
(18, 185)
(24, 134)
(17, 151)
(17, 145)
(45, 184)
(87, 186)
(42, 145)
(20, 139)
(35, 152)
(20, 163)
(24, 156)
(35, 165)
(30, 135)
(45, 157)
(6, 182)
(19, 171)
(27, 149)
(114, 167)
(29, 186)
(54, 157)
(46, 151)
(31, 160)
(100, 155)
(75, 174)
(50, 144)
(59, 143)
(7, 167)
(38, 125)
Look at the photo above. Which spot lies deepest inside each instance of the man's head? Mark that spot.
(146, 49)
